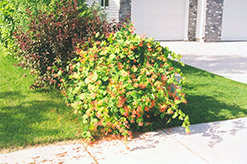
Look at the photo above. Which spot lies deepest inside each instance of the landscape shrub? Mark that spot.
(7, 23)
(53, 36)
(12, 16)
(124, 84)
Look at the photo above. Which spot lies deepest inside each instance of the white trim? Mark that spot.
(131, 13)
(186, 19)
(200, 20)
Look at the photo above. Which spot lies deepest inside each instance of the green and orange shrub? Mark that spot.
(124, 84)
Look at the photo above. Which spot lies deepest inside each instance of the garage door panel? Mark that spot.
(165, 23)
(234, 24)
(235, 35)
(161, 19)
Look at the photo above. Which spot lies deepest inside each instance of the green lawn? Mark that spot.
(212, 98)
(29, 117)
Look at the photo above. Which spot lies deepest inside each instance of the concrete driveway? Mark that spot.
(228, 59)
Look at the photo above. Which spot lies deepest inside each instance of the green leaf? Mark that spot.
(97, 35)
(104, 93)
(129, 87)
(187, 119)
(82, 96)
(60, 73)
(76, 105)
(140, 119)
(161, 93)
(175, 115)
(105, 78)
(122, 110)
(162, 115)
(122, 55)
(156, 65)
(187, 130)
(134, 94)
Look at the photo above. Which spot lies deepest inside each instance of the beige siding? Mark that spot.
(113, 9)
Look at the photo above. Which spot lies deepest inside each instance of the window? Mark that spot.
(105, 3)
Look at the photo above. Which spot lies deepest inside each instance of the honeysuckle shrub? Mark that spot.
(124, 84)
(53, 36)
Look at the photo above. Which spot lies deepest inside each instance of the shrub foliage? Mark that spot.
(123, 84)
(12, 16)
(52, 37)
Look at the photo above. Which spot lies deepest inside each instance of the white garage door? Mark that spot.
(234, 25)
(161, 19)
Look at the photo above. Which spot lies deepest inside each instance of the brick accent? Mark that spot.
(125, 9)
(192, 20)
(214, 15)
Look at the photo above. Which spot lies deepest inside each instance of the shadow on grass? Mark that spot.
(203, 109)
(4, 95)
(25, 122)
(209, 111)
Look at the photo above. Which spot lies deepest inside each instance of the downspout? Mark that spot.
(201, 19)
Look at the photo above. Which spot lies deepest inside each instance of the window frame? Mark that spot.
(104, 3)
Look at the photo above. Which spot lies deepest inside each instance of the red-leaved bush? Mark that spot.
(53, 36)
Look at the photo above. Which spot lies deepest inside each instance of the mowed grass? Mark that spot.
(211, 97)
(29, 117)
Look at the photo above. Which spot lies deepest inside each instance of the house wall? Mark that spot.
(214, 15)
(192, 20)
(90, 2)
(112, 11)
(125, 10)
(119, 9)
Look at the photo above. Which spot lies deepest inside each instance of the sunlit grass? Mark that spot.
(212, 98)
(29, 117)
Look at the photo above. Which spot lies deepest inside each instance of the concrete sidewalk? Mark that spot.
(228, 59)
(221, 142)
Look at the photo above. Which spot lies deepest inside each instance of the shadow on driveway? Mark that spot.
(218, 64)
